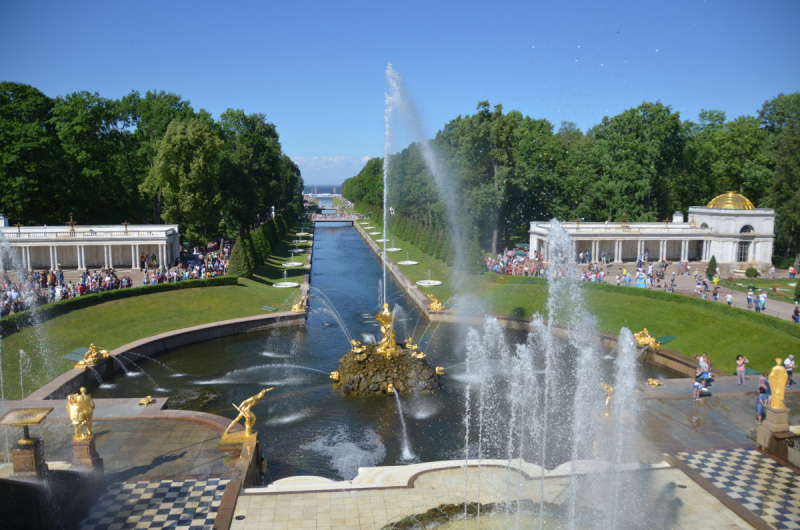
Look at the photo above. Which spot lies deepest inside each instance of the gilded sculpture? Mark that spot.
(654, 382)
(643, 338)
(390, 389)
(300, 307)
(77, 415)
(439, 370)
(388, 344)
(92, 357)
(357, 347)
(146, 401)
(436, 305)
(609, 391)
(245, 412)
(335, 376)
(777, 382)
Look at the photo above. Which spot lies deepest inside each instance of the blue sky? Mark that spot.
(316, 69)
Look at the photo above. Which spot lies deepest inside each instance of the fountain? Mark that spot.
(375, 368)
(407, 261)
(284, 284)
(429, 282)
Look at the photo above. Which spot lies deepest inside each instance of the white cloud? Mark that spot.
(329, 169)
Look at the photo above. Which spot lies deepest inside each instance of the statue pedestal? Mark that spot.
(777, 421)
(234, 441)
(84, 454)
(28, 458)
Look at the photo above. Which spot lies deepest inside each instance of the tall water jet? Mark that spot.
(387, 144)
(407, 453)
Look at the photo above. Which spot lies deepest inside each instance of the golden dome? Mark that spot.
(731, 201)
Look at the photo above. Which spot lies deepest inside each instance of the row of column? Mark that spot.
(53, 253)
(541, 245)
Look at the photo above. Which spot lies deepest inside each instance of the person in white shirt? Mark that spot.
(729, 299)
(788, 364)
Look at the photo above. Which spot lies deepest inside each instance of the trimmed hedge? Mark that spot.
(779, 324)
(23, 319)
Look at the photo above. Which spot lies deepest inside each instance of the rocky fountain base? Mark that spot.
(364, 371)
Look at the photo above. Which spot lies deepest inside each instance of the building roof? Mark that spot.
(731, 201)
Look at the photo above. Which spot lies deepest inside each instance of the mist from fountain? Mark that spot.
(408, 454)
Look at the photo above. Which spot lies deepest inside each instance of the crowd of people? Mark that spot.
(35, 288)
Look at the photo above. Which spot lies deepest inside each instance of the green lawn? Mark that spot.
(119, 322)
(336, 202)
(696, 328)
(785, 294)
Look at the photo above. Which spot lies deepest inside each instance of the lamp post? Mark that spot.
(18, 225)
(125, 224)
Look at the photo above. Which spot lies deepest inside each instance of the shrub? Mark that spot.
(752, 272)
(712, 267)
(261, 244)
(782, 262)
(242, 262)
(29, 317)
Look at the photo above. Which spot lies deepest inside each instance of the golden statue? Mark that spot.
(390, 389)
(777, 382)
(411, 346)
(246, 414)
(92, 357)
(357, 347)
(361, 357)
(388, 344)
(609, 391)
(335, 376)
(436, 305)
(147, 401)
(654, 382)
(419, 355)
(300, 307)
(643, 338)
(439, 370)
(86, 401)
(77, 414)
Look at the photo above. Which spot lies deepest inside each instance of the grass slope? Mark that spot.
(119, 322)
(723, 333)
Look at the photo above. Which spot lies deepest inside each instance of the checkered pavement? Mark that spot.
(157, 504)
(766, 488)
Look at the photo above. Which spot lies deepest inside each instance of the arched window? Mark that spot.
(746, 229)
(704, 225)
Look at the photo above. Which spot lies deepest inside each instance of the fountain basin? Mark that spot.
(285, 285)
(292, 264)
(405, 262)
(300, 241)
(429, 283)
(382, 240)
(302, 234)
(374, 233)
(393, 249)
(296, 250)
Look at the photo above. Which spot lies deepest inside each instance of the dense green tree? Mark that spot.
(711, 270)
(30, 158)
(242, 260)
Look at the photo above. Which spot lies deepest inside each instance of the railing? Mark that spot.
(17, 236)
(618, 227)
(336, 217)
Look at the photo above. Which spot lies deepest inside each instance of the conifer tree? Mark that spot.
(261, 244)
(712, 267)
(433, 238)
(439, 244)
(241, 264)
(474, 257)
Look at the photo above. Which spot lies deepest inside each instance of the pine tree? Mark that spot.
(418, 236)
(712, 267)
(450, 260)
(445, 248)
(261, 245)
(439, 244)
(433, 238)
(272, 233)
(424, 239)
(241, 264)
(475, 263)
(408, 231)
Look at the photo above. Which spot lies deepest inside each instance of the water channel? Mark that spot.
(306, 427)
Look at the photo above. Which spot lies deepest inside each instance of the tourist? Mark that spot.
(761, 403)
(750, 299)
(698, 382)
(716, 293)
(796, 315)
(741, 360)
(698, 286)
(729, 299)
(763, 384)
(792, 271)
(788, 364)
(772, 272)
(705, 364)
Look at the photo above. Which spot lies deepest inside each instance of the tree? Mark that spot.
(241, 261)
(261, 245)
(780, 111)
(634, 156)
(784, 193)
(712, 267)
(474, 263)
(30, 155)
(186, 174)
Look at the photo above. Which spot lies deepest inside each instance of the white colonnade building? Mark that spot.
(86, 247)
(729, 228)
